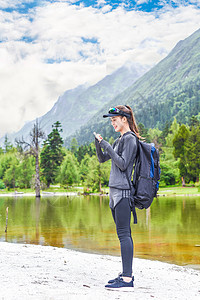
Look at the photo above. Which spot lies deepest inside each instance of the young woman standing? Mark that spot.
(123, 121)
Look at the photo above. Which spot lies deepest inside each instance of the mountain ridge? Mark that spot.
(169, 89)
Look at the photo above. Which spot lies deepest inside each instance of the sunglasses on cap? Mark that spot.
(114, 111)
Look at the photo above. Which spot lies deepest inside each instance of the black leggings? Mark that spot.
(122, 217)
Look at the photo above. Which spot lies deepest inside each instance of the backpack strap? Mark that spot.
(132, 204)
(120, 147)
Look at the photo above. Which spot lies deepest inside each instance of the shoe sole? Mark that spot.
(122, 289)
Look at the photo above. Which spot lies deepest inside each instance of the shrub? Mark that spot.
(2, 185)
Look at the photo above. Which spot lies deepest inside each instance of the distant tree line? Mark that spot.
(178, 144)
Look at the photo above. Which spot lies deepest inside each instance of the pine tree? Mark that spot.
(179, 143)
(73, 145)
(7, 144)
(52, 154)
(193, 153)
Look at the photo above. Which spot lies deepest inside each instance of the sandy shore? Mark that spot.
(38, 272)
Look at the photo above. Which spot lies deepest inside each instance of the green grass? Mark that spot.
(52, 189)
(178, 190)
(8, 191)
(169, 190)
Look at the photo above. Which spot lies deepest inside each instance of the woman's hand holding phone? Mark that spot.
(98, 136)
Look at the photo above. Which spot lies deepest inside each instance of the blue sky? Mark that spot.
(142, 5)
(47, 47)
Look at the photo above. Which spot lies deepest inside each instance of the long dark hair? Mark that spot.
(131, 121)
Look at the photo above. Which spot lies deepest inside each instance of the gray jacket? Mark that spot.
(119, 163)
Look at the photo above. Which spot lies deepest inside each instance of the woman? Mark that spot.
(123, 121)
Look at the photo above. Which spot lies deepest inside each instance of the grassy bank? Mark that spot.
(52, 189)
(166, 191)
(178, 190)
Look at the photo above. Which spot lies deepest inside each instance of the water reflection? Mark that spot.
(169, 231)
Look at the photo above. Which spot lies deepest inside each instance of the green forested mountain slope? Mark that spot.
(170, 89)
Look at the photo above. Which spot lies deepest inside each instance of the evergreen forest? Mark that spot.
(178, 144)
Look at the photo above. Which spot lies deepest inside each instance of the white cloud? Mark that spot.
(101, 2)
(141, 1)
(31, 88)
(13, 3)
(87, 43)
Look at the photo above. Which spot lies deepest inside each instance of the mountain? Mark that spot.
(168, 90)
(75, 107)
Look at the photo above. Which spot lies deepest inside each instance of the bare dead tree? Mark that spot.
(32, 148)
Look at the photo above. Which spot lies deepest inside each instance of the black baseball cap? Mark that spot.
(113, 112)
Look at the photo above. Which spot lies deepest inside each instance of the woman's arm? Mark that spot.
(129, 149)
(102, 156)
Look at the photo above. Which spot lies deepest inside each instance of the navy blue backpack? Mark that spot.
(145, 183)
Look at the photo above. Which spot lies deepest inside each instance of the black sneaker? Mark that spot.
(119, 276)
(121, 285)
(113, 280)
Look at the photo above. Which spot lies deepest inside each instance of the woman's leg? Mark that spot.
(122, 217)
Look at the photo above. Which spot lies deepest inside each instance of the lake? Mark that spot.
(169, 231)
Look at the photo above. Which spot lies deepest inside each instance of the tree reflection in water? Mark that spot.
(168, 231)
